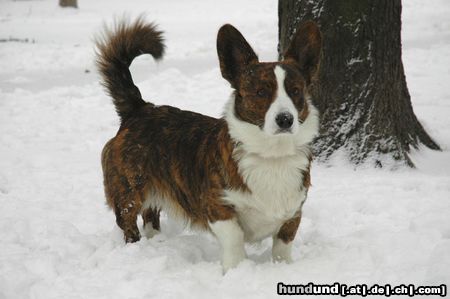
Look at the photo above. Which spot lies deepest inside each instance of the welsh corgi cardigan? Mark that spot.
(244, 176)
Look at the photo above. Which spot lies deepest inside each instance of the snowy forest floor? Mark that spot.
(59, 240)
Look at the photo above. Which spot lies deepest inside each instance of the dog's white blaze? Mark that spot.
(231, 238)
(257, 141)
(282, 103)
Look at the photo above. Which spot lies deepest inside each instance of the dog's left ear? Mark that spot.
(305, 49)
(234, 53)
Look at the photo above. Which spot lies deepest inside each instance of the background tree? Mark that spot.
(68, 3)
(361, 89)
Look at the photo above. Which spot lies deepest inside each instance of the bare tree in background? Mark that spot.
(68, 3)
(361, 90)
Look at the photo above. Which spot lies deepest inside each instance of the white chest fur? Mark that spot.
(277, 193)
(272, 168)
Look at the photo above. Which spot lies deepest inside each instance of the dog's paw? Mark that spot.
(279, 259)
(232, 259)
(281, 252)
(132, 236)
(150, 232)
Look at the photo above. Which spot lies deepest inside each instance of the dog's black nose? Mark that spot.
(284, 120)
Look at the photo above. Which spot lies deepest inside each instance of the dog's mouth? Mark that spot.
(284, 131)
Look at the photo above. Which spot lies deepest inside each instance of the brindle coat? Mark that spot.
(182, 157)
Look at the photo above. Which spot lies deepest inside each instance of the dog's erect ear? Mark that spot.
(305, 49)
(234, 53)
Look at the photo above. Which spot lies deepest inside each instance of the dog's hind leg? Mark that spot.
(151, 221)
(127, 209)
(123, 195)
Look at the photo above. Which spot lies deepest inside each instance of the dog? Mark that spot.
(244, 176)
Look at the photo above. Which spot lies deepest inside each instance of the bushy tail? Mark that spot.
(116, 50)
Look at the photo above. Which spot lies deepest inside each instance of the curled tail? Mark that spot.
(116, 50)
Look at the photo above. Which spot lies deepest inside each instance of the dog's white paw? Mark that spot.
(231, 238)
(232, 258)
(281, 252)
(150, 232)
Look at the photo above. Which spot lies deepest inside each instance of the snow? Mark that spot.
(59, 240)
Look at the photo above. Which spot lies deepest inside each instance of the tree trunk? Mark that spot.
(68, 3)
(361, 89)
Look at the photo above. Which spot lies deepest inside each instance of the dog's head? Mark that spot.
(270, 110)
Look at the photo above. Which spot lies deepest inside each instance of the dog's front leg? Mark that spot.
(282, 241)
(231, 238)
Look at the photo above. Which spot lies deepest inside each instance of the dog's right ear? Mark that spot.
(234, 53)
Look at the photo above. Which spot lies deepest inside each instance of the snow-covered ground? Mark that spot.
(59, 240)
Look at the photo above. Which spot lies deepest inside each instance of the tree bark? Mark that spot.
(68, 3)
(361, 88)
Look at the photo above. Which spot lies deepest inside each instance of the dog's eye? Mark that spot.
(262, 93)
(295, 91)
